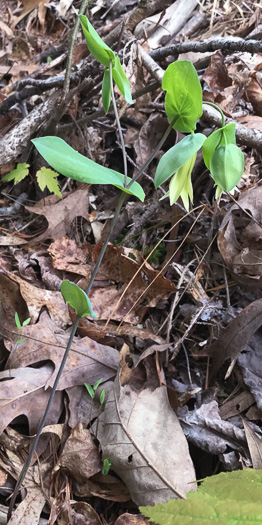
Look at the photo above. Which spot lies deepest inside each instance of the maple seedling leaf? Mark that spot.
(18, 174)
(46, 178)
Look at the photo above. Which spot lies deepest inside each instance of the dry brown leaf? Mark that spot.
(37, 298)
(60, 213)
(80, 456)
(236, 336)
(254, 445)
(131, 519)
(87, 362)
(216, 74)
(22, 391)
(240, 238)
(141, 434)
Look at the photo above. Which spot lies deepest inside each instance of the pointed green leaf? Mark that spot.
(227, 166)
(20, 341)
(183, 95)
(121, 81)
(90, 390)
(106, 466)
(96, 385)
(106, 91)
(227, 134)
(102, 396)
(46, 178)
(229, 498)
(100, 51)
(176, 157)
(27, 321)
(70, 163)
(18, 174)
(17, 322)
(77, 299)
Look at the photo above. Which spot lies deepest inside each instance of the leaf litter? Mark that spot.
(169, 396)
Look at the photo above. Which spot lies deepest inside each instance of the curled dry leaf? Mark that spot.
(141, 434)
(80, 455)
(240, 238)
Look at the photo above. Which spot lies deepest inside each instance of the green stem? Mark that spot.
(218, 109)
(42, 424)
(71, 47)
(118, 122)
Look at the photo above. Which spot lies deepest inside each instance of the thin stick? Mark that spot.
(71, 47)
(118, 122)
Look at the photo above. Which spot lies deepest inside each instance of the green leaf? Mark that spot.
(121, 81)
(97, 384)
(183, 95)
(181, 185)
(77, 298)
(227, 166)
(46, 178)
(229, 498)
(90, 390)
(17, 322)
(102, 396)
(20, 341)
(18, 174)
(100, 51)
(176, 157)
(70, 163)
(106, 91)
(27, 321)
(106, 466)
(220, 137)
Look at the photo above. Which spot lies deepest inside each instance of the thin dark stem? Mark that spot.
(71, 47)
(118, 122)
(35, 442)
(156, 150)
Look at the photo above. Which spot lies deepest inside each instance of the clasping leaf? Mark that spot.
(77, 299)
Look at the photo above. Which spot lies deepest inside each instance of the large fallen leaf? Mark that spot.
(141, 434)
(236, 336)
(204, 428)
(22, 392)
(87, 362)
(240, 238)
(61, 213)
(251, 366)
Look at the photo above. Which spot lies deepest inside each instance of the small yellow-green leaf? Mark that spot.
(18, 174)
(46, 178)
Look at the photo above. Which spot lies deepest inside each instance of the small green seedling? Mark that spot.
(19, 326)
(92, 391)
(106, 466)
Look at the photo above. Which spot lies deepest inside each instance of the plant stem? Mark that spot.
(218, 109)
(42, 424)
(118, 122)
(71, 47)
(75, 325)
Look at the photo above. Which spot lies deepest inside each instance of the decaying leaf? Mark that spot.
(141, 434)
(254, 445)
(240, 238)
(236, 336)
(88, 361)
(80, 455)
